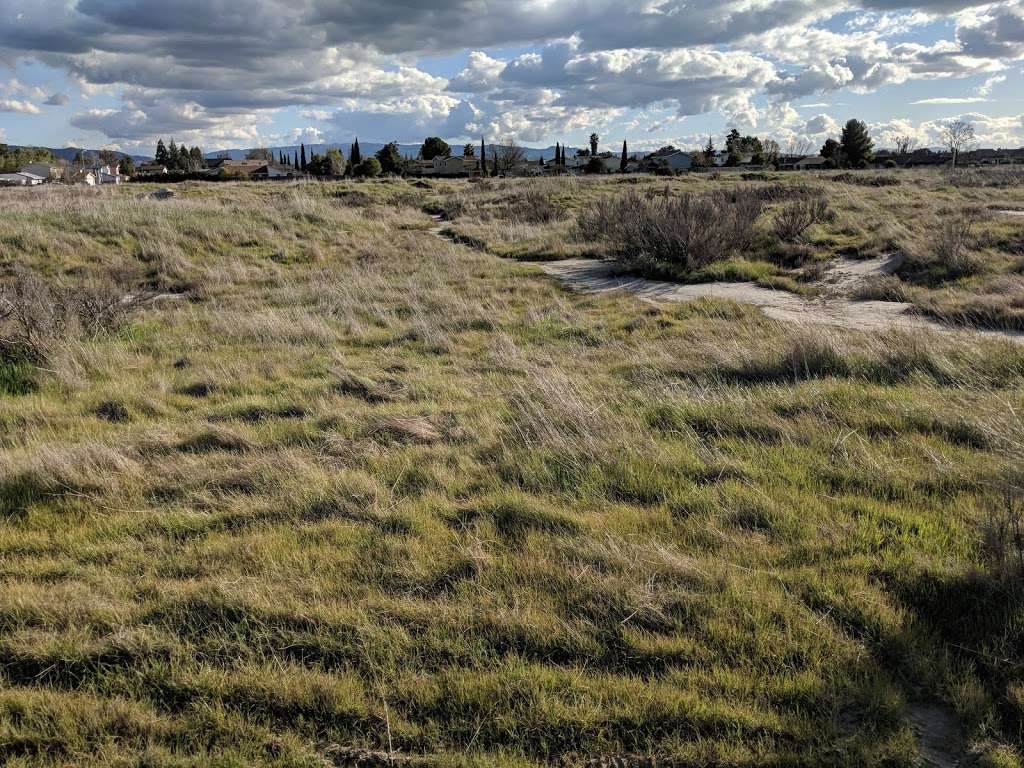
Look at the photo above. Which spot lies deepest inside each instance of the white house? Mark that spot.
(108, 174)
(20, 179)
(44, 170)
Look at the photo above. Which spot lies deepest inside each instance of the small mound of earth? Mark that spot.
(162, 194)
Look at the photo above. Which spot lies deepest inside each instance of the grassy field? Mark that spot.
(331, 490)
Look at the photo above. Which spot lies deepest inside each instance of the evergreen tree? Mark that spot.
(558, 154)
(435, 147)
(624, 162)
(390, 159)
(302, 156)
(172, 156)
(858, 149)
(183, 158)
(356, 157)
(494, 170)
(833, 152)
(127, 166)
(594, 140)
(483, 157)
(161, 152)
(709, 152)
(195, 156)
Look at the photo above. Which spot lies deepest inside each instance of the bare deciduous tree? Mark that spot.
(957, 135)
(905, 145)
(508, 155)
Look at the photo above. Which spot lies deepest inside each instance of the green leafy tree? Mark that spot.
(334, 162)
(858, 148)
(390, 159)
(832, 151)
(368, 168)
(594, 140)
(127, 166)
(434, 147)
(195, 156)
(595, 166)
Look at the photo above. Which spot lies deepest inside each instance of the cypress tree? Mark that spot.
(357, 156)
(495, 172)
(625, 158)
(483, 157)
(302, 156)
(558, 154)
(161, 152)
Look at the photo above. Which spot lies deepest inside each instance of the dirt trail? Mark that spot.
(590, 276)
(938, 736)
(835, 310)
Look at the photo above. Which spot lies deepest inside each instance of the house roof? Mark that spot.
(22, 175)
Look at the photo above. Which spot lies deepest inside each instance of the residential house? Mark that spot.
(812, 163)
(108, 174)
(20, 179)
(45, 170)
(150, 169)
(668, 160)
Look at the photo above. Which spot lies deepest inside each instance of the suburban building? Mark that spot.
(150, 169)
(20, 179)
(108, 174)
(812, 163)
(45, 170)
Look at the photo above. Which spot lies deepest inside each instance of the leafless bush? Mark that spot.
(794, 218)
(35, 315)
(688, 231)
(951, 245)
(533, 206)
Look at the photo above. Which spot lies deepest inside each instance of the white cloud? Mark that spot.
(352, 66)
(951, 100)
(17, 105)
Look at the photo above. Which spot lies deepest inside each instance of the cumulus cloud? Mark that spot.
(17, 105)
(352, 66)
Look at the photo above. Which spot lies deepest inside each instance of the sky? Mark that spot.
(245, 73)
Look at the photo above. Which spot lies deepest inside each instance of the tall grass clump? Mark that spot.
(688, 232)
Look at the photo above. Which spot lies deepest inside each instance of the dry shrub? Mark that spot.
(794, 218)
(980, 178)
(532, 206)
(36, 315)
(951, 245)
(1003, 534)
(689, 231)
